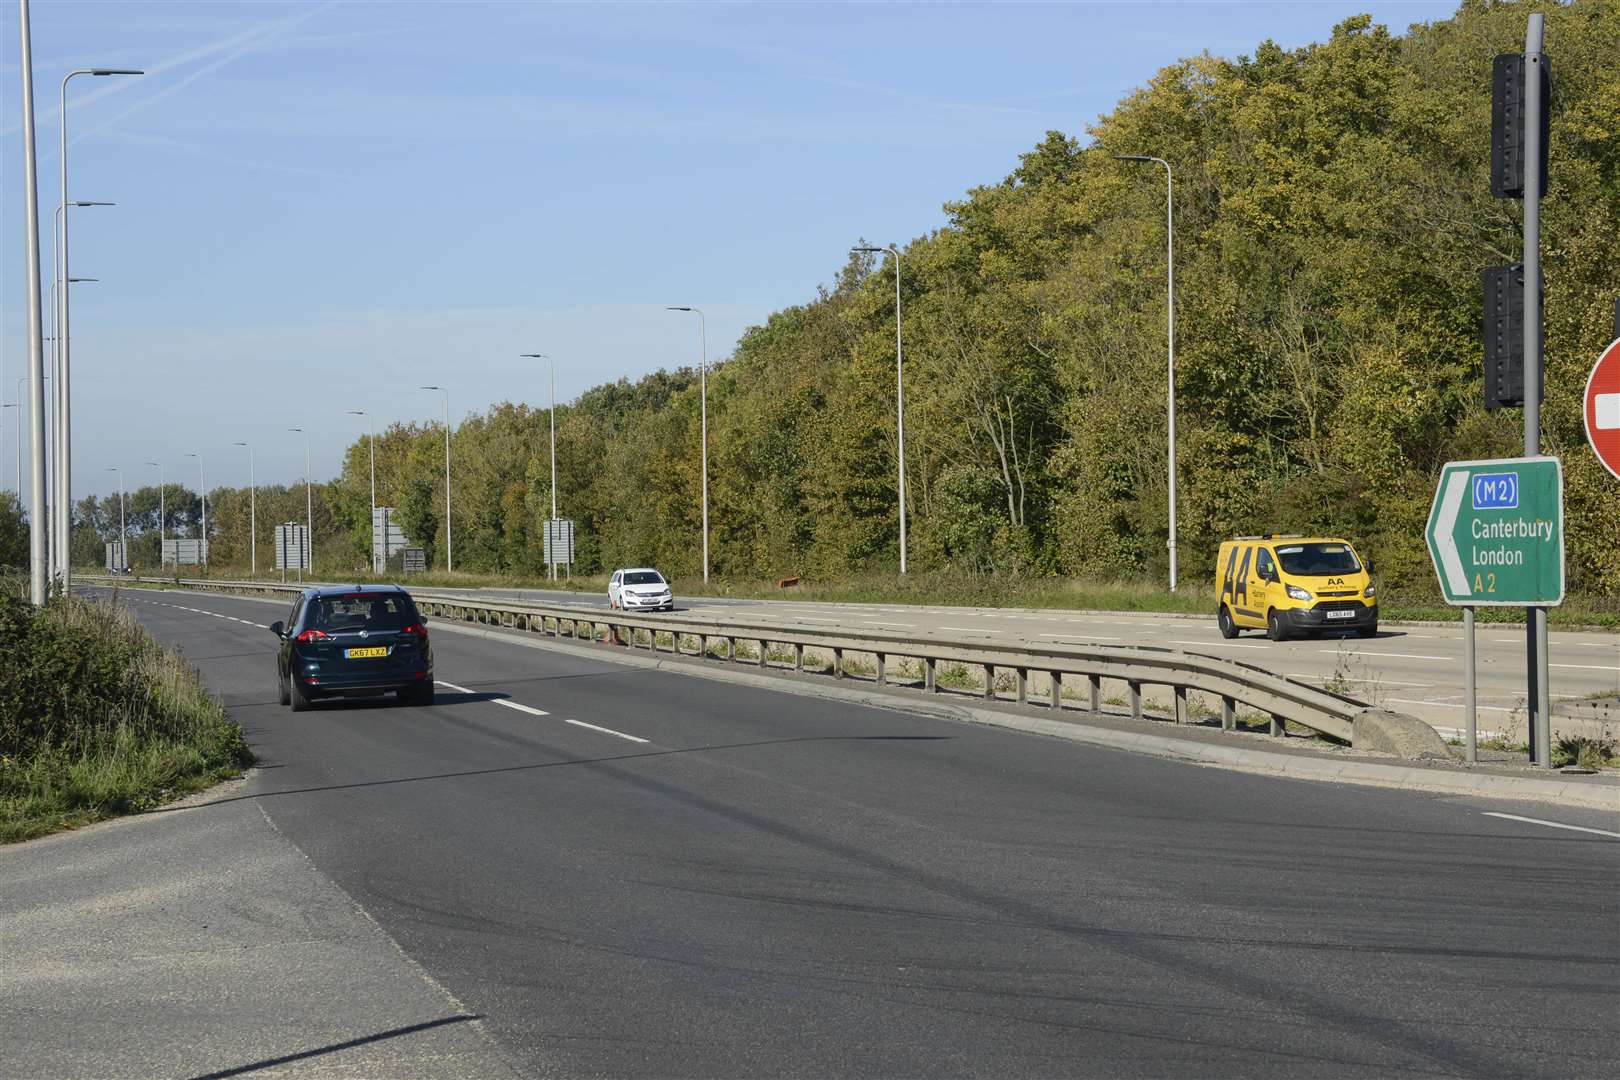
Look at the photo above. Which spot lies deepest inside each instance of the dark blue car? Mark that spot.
(353, 641)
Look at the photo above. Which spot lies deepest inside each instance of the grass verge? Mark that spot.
(97, 719)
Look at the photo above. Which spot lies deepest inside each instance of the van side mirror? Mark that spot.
(279, 629)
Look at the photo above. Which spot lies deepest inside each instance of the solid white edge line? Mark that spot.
(1551, 824)
(605, 731)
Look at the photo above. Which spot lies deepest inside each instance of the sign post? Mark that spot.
(1602, 406)
(1496, 536)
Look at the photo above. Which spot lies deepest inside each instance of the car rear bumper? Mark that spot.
(1361, 617)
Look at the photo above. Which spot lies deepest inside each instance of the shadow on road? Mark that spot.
(270, 1063)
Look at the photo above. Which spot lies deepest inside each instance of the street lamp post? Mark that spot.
(553, 363)
(64, 344)
(309, 507)
(62, 497)
(18, 406)
(900, 394)
(163, 486)
(202, 490)
(1170, 319)
(449, 549)
(123, 551)
(703, 396)
(253, 515)
(372, 431)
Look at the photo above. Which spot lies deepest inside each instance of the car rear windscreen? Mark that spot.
(645, 577)
(337, 614)
(1317, 560)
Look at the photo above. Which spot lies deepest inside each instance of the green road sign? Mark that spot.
(1496, 532)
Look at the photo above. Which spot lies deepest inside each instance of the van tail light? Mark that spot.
(415, 630)
(312, 635)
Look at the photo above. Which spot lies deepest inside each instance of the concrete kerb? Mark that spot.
(1600, 796)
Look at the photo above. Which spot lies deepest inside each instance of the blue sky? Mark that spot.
(322, 206)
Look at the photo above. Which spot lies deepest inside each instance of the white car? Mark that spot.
(640, 589)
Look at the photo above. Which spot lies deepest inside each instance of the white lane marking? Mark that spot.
(1400, 655)
(1082, 636)
(811, 618)
(1346, 678)
(453, 686)
(880, 622)
(1589, 667)
(968, 629)
(1552, 824)
(1449, 705)
(605, 731)
(1217, 644)
(521, 708)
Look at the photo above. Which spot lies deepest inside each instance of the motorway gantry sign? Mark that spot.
(1496, 532)
(1603, 408)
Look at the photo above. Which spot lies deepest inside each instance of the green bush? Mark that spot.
(97, 719)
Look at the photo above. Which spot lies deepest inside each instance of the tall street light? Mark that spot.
(18, 406)
(64, 344)
(202, 489)
(372, 431)
(1170, 265)
(703, 395)
(123, 552)
(553, 363)
(309, 505)
(899, 392)
(62, 496)
(163, 486)
(449, 549)
(253, 514)
(37, 580)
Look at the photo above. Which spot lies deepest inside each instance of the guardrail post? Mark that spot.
(1096, 693)
(731, 649)
(1228, 714)
(989, 681)
(1023, 686)
(764, 653)
(838, 663)
(1136, 699)
(881, 669)
(703, 647)
(1277, 728)
(1057, 690)
(798, 657)
(1181, 704)
(930, 675)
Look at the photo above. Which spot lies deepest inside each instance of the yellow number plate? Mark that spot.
(356, 654)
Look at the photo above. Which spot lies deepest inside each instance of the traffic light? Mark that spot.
(1504, 336)
(1507, 125)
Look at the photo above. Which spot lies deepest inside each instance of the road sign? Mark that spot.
(414, 560)
(559, 541)
(292, 547)
(116, 561)
(184, 552)
(1496, 532)
(1603, 407)
(387, 537)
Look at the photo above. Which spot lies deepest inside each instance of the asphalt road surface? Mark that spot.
(634, 873)
(1415, 670)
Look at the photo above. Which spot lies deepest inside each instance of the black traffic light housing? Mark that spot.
(1504, 336)
(1507, 124)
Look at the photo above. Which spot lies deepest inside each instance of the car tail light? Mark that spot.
(312, 635)
(415, 630)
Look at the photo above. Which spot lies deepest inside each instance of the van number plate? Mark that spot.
(1341, 614)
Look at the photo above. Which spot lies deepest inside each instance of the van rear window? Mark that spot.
(1317, 560)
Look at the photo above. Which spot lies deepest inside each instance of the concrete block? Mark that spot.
(1396, 733)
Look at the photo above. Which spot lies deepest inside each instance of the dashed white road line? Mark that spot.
(1082, 636)
(1552, 824)
(1217, 644)
(1589, 667)
(520, 707)
(605, 731)
(1400, 655)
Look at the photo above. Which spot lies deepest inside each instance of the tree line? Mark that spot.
(1332, 218)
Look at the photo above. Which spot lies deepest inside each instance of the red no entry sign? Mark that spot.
(1603, 408)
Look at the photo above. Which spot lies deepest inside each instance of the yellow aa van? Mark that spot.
(1287, 585)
